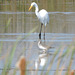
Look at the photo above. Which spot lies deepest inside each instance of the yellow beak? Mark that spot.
(30, 7)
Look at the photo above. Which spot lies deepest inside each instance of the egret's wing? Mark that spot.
(44, 17)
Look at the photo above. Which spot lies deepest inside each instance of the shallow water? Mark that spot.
(29, 48)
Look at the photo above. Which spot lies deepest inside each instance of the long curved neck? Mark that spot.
(36, 9)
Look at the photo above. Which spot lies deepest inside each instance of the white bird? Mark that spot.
(42, 16)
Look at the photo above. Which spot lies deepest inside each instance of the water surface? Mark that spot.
(16, 21)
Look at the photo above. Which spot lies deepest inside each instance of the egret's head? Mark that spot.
(32, 4)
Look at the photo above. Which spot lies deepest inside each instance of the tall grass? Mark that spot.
(68, 54)
(9, 59)
(1, 46)
(7, 65)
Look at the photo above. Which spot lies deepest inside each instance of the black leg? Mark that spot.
(44, 32)
(40, 31)
(39, 35)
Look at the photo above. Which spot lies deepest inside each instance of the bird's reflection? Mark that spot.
(45, 48)
(42, 57)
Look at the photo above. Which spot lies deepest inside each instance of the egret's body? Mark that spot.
(42, 16)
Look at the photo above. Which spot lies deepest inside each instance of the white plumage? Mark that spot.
(42, 16)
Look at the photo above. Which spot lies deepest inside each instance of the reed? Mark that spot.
(9, 59)
(1, 46)
(72, 72)
(21, 64)
(7, 65)
(7, 5)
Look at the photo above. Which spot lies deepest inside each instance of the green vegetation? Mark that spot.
(62, 57)
(22, 6)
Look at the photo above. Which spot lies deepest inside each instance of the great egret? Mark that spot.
(42, 16)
